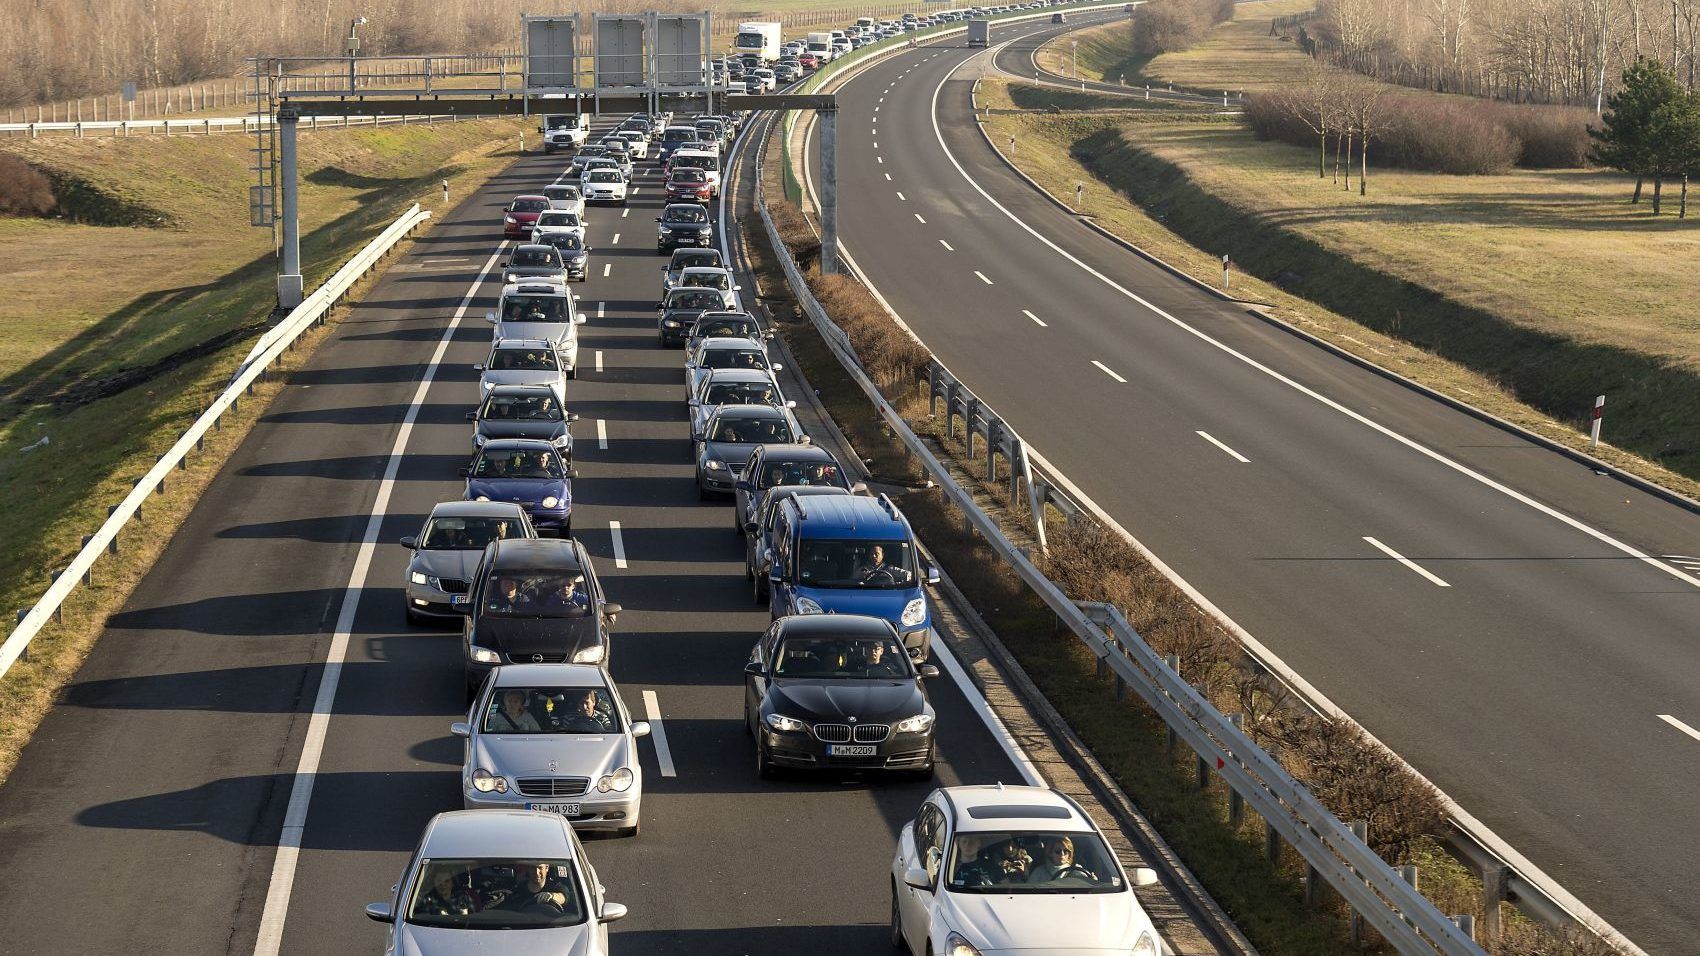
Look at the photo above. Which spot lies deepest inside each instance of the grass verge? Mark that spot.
(102, 442)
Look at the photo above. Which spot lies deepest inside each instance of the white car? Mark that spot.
(769, 82)
(564, 197)
(555, 738)
(459, 892)
(604, 185)
(524, 362)
(989, 870)
(718, 353)
(636, 143)
(557, 221)
(720, 280)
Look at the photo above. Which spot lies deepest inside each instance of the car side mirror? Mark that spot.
(410, 542)
(917, 878)
(379, 912)
(927, 671)
(611, 610)
(505, 263)
(737, 288)
(490, 317)
(767, 558)
(612, 912)
(779, 368)
(661, 305)
(479, 367)
(932, 575)
(569, 473)
(657, 218)
(859, 488)
(743, 484)
(471, 416)
(465, 609)
(754, 669)
(579, 320)
(790, 404)
(466, 472)
(640, 728)
(1142, 876)
(460, 728)
(572, 416)
(805, 440)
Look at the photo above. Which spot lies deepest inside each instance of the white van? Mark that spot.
(564, 131)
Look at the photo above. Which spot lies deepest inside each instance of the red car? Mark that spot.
(689, 185)
(521, 215)
(809, 61)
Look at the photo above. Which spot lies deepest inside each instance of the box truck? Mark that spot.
(978, 32)
(820, 44)
(760, 38)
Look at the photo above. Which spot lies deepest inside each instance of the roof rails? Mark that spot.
(890, 509)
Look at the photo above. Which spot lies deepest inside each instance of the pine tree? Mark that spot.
(1625, 137)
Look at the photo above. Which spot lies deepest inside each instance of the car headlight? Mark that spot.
(509, 220)
(482, 498)
(590, 655)
(808, 606)
(917, 724)
(484, 781)
(955, 945)
(478, 439)
(714, 464)
(419, 577)
(551, 502)
(488, 385)
(1145, 946)
(670, 323)
(484, 655)
(619, 781)
(786, 725)
(665, 231)
(914, 612)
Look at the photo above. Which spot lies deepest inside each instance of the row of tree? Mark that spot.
(1651, 129)
(1543, 51)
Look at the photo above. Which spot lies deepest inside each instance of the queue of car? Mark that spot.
(835, 682)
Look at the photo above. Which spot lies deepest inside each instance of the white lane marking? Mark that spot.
(882, 99)
(1040, 322)
(599, 307)
(658, 734)
(982, 276)
(1212, 439)
(599, 359)
(619, 544)
(616, 239)
(874, 132)
(902, 198)
(607, 267)
(602, 434)
(289, 839)
(1679, 725)
(876, 144)
(634, 190)
(919, 219)
(1433, 578)
(880, 160)
(1107, 371)
(947, 245)
(1011, 748)
(447, 259)
(876, 109)
(888, 177)
(1300, 387)
(625, 212)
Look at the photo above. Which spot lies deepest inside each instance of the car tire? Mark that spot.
(925, 773)
(416, 620)
(631, 831)
(764, 767)
(567, 529)
(897, 940)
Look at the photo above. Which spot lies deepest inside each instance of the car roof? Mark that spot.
(536, 286)
(535, 245)
(538, 675)
(723, 375)
(795, 450)
(534, 553)
(523, 344)
(723, 341)
(522, 390)
(853, 516)
(694, 254)
(537, 196)
(497, 834)
(1013, 808)
(854, 625)
(722, 270)
(749, 411)
(475, 509)
(518, 444)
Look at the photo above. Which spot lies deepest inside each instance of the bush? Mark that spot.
(1164, 26)
(1553, 137)
(24, 191)
(1424, 132)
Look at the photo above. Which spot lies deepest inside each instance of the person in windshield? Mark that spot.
(535, 257)
(511, 716)
(728, 432)
(567, 595)
(587, 716)
(880, 661)
(1058, 862)
(687, 214)
(999, 864)
(535, 308)
(507, 596)
(875, 565)
(447, 897)
(534, 892)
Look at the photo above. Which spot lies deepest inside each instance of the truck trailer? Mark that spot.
(979, 32)
(761, 38)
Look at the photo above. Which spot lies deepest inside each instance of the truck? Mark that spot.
(820, 44)
(978, 32)
(760, 38)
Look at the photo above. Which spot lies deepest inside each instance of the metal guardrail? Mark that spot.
(1374, 889)
(271, 346)
(206, 127)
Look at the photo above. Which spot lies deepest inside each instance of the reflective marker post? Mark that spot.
(1599, 415)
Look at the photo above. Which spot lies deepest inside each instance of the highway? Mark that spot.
(155, 796)
(1502, 617)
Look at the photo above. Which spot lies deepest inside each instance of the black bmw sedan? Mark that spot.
(837, 692)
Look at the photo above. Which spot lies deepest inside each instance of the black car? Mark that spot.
(534, 601)
(682, 224)
(681, 309)
(574, 252)
(837, 692)
(772, 465)
(523, 411)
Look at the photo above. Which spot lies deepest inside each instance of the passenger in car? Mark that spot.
(512, 716)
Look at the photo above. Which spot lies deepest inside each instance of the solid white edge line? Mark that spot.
(1679, 725)
(602, 434)
(658, 734)
(994, 724)
(619, 544)
(1040, 322)
(1109, 371)
(1212, 439)
(1433, 578)
(282, 885)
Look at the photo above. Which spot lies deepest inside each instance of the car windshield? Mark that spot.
(697, 257)
(540, 593)
(741, 393)
(561, 192)
(695, 299)
(521, 408)
(738, 430)
(535, 257)
(568, 219)
(564, 241)
(604, 176)
(706, 280)
(591, 151)
(535, 308)
(551, 710)
(841, 658)
(518, 463)
(483, 894)
(812, 472)
(523, 360)
(529, 205)
(694, 162)
(829, 563)
(725, 329)
(693, 177)
(686, 214)
(1031, 862)
(467, 534)
(733, 358)
(679, 136)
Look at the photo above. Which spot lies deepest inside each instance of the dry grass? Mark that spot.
(1239, 55)
(100, 447)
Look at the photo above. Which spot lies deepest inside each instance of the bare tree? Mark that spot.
(1316, 103)
(1363, 105)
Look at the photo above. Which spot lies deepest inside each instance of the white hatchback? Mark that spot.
(603, 185)
(987, 870)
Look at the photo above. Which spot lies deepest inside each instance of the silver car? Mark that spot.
(564, 197)
(731, 435)
(497, 884)
(555, 738)
(446, 552)
(524, 362)
(733, 386)
(715, 353)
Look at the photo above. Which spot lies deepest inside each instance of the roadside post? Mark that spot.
(1226, 264)
(1599, 415)
(1079, 195)
(445, 192)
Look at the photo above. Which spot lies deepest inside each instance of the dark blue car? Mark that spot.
(528, 472)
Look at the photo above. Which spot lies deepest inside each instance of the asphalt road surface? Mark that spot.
(145, 815)
(1504, 618)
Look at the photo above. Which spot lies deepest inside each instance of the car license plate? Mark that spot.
(459, 599)
(564, 809)
(851, 750)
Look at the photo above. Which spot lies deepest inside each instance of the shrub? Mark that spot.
(1445, 136)
(24, 191)
(1553, 137)
(1164, 26)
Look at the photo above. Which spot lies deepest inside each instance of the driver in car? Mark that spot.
(586, 717)
(876, 566)
(880, 664)
(532, 893)
(1058, 862)
(569, 596)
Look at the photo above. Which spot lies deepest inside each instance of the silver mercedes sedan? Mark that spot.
(497, 884)
(554, 738)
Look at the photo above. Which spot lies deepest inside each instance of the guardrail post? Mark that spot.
(1360, 829)
(994, 433)
(88, 575)
(1236, 803)
(23, 612)
(1494, 880)
(950, 388)
(1313, 882)
(58, 612)
(970, 414)
(1465, 922)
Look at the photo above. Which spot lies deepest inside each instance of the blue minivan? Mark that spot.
(848, 554)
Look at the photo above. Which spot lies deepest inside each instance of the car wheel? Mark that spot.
(702, 493)
(764, 767)
(631, 831)
(897, 940)
(567, 528)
